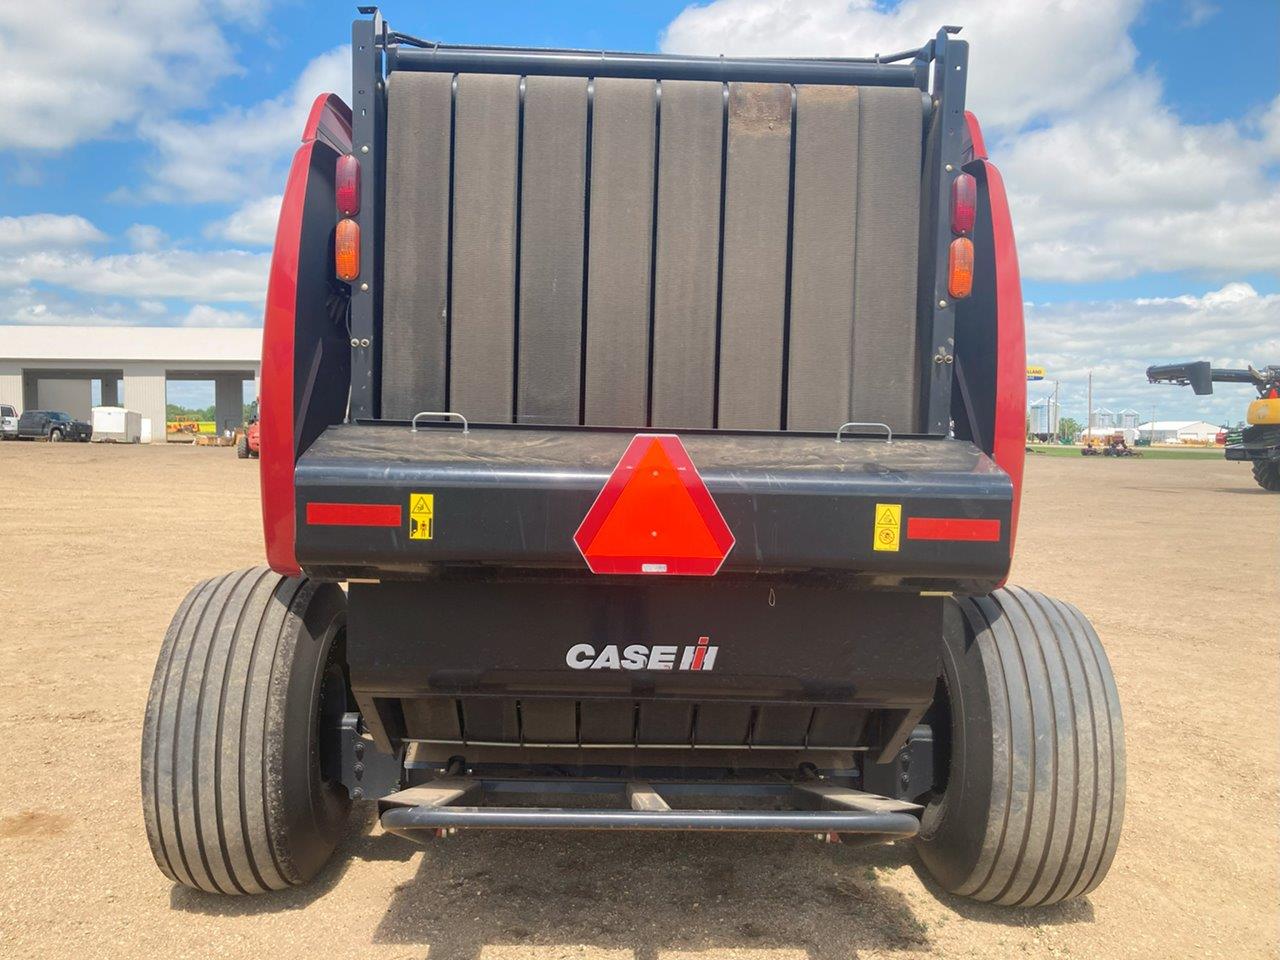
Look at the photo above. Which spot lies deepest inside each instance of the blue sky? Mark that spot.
(1140, 142)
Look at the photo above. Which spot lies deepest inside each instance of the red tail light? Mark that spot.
(654, 515)
(346, 185)
(964, 203)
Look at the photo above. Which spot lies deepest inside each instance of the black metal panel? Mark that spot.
(321, 357)
(368, 138)
(943, 161)
(514, 496)
(973, 403)
(478, 638)
(575, 63)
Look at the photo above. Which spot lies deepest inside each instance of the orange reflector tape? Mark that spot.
(353, 514)
(960, 268)
(953, 528)
(346, 250)
(654, 515)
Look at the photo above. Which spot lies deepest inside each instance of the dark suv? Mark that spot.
(52, 425)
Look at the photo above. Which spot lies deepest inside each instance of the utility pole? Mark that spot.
(1057, 415)
(1088, 419)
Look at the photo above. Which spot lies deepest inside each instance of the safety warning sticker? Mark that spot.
(888, 527)
(422, 516)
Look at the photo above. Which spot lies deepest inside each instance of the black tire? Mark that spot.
(1267, 473)
(233, 794)
(55, 436)
(242, 447)
(1035, 772)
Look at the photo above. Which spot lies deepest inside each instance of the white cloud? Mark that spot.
(144, 236)
(74, 70)
(1118, 339)
(242, 151)
(254, 223)
(203, 315)
(1029, 59)
(26, 305)
(44, 230)
(1105, 180)
(219, 276)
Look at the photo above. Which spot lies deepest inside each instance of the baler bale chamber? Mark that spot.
(664, 417)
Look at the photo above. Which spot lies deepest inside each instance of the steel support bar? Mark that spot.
(649, 66)
(406, 821)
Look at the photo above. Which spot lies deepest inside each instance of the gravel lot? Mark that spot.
(1177, 563)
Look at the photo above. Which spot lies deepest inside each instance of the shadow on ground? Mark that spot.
(639, 893)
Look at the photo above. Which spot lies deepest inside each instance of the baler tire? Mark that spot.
(1034, 798)
(242, 448)
(1267, 473)
(233, 796)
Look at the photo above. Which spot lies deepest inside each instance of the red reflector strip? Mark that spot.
(353, 514)
(952, 528)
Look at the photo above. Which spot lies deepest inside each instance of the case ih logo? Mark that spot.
(636, 656)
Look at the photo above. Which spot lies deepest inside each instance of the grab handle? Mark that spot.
(440, 413)
(859, 423)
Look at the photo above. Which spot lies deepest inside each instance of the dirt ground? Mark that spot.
(1177, 563)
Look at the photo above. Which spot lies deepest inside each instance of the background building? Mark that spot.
(54, 368)
(1179, 431)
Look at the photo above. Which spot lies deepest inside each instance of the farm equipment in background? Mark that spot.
(1258, 442)
(247, 440)
(662, 504)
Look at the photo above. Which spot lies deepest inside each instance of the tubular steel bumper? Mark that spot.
(437, 806)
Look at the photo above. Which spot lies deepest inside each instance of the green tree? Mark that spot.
(1069, 427)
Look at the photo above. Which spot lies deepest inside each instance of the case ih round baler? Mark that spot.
(664, 416)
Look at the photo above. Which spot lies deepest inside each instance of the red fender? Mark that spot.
(329, 121)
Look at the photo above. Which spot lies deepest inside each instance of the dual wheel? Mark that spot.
(242, 719)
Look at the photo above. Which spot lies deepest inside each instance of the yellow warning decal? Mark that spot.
(422, 516)
(888, 528)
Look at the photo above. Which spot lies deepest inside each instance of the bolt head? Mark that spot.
(355, 341)
(365, 148)
(942, 303)
(364, 287)
(357, 794)
(950, 168)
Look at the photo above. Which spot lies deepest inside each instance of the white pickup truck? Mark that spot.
(8, 422)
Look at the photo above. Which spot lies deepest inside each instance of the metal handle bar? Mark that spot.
(441, 413)
(859, 423)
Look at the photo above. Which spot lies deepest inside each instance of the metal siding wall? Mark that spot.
(885, 369)
(144, 391)
(228, 402)
(11, 386)
(684, 319)
(416, 270)
(622, 163)
(822, 258)
(553, 188)
(753, 298)
(484, 216)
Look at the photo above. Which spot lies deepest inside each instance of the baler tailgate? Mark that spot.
(378, 498)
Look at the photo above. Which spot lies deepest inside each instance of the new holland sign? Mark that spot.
(1035, 373)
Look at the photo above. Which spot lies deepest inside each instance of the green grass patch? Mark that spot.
(1148, 453)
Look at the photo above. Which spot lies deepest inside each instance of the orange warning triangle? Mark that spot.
(654, 515)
